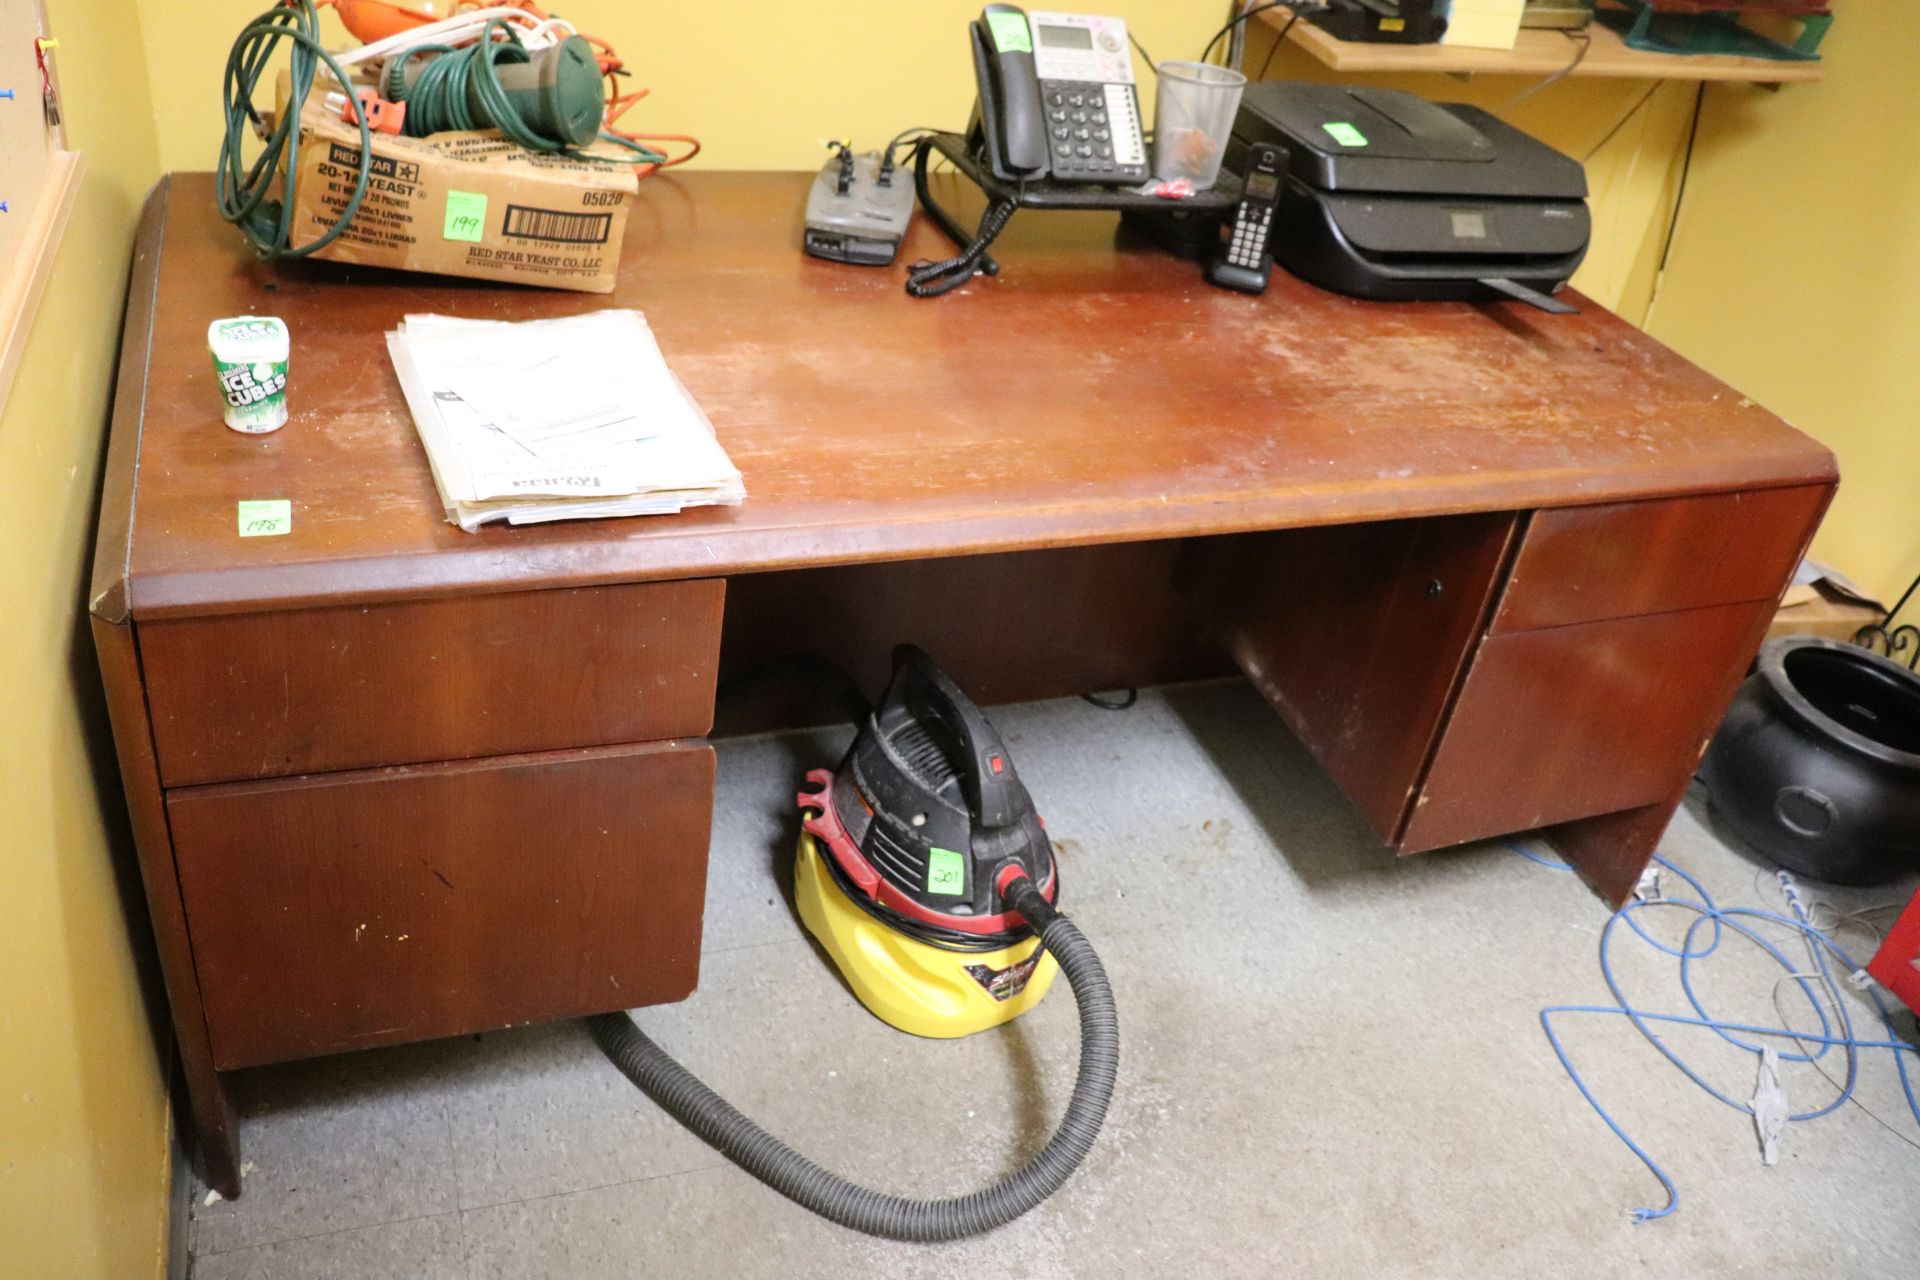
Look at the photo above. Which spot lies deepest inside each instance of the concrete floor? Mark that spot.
(1333, 1067)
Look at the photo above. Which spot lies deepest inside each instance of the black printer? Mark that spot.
(1390, 196)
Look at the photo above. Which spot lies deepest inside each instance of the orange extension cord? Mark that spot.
(370, 20)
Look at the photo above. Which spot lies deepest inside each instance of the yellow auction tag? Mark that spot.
(265, 517)
(466, 216)
(946, 872)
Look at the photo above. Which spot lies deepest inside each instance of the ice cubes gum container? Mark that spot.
(250, 360)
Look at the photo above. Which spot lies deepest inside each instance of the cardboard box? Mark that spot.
(1821, 602)
(462, 204)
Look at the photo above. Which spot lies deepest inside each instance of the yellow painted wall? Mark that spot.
(1795, 273)
(763, 83)
(83, 1111)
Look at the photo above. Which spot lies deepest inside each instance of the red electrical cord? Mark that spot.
(617, 106)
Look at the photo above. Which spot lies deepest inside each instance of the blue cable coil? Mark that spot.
(1703, 937)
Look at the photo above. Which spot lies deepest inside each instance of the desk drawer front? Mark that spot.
(1573, 721)
(359, 909)
(264, 695)
(1582, 564)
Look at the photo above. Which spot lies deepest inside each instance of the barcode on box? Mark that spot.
(561, 228)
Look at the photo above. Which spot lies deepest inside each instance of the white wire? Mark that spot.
(1842, 919)
(463, 28)
(541, 32)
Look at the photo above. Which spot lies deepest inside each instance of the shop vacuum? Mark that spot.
(926, 874)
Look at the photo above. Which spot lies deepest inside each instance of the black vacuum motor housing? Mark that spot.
(930, 800)
(1817, 763)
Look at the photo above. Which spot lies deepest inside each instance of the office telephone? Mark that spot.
(1057, 97)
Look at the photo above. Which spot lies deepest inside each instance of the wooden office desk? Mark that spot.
(1500, 570)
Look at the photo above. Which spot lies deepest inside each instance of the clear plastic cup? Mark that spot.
(1193, 112)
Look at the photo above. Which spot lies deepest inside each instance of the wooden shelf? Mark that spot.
(23, 279)
(37, 183)
(1538, 53)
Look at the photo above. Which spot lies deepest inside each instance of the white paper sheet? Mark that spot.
(556, 419)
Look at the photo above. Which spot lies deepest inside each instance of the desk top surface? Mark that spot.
(1097, 391)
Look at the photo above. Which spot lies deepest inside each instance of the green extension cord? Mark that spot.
(437, 102)
(242, 189)
(439, 99)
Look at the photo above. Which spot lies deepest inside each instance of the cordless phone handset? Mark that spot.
(1245, 259)
(1011, 112)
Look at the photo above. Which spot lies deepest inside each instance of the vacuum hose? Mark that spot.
(767, 1158)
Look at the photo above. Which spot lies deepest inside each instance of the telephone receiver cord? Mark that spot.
(931, 279)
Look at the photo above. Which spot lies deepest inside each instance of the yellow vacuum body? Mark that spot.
(920, 988)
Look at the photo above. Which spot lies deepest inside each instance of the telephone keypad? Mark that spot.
(1249, 241)
(1084, 138)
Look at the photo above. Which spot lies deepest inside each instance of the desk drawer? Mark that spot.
(1573, 721)
(1582, 564)
(357, 909)
(264, 695)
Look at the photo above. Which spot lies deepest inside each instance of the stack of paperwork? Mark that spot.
(561, 419)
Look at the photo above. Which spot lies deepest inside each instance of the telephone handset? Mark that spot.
(1057, 97)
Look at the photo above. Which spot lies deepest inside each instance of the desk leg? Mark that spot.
(1611, 850)
(217, 1134)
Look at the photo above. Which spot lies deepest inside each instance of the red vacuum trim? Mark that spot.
(822, 822)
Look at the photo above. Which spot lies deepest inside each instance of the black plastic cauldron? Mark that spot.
(1817, 764)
